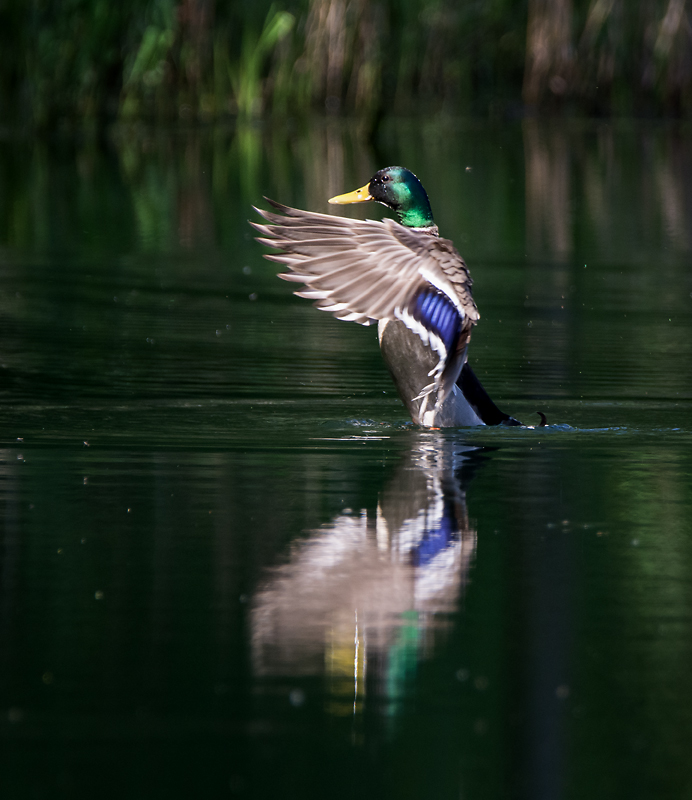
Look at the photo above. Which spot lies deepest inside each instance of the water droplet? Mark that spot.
(296, 698)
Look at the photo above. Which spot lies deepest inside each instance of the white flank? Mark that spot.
(433, 341)
(413, 325)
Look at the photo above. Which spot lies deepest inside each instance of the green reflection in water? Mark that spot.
(178, 429)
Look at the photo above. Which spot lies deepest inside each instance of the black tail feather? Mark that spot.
(480, 401)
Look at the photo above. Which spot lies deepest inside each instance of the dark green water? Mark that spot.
(230, 565)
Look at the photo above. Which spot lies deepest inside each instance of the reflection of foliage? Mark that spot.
(153, 200)
(570, 185)
(207, 58)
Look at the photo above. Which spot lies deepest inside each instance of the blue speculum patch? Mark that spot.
(437, 313)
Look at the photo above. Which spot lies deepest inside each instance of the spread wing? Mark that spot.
(364, 270)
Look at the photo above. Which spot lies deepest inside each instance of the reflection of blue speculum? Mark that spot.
(436, 538)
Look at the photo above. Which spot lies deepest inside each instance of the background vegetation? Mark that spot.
(206, 59)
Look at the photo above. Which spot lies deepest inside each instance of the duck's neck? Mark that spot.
(418, 216)
(415, 211)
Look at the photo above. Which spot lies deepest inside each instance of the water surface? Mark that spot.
(231, 567)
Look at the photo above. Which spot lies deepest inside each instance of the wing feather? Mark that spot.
(363, 269)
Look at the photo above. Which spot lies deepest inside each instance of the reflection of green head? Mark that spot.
(399, 189)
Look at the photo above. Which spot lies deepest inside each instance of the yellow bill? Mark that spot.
(361, 195)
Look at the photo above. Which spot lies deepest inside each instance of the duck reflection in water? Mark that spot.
(364, 597)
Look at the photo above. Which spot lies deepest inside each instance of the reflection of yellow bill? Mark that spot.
(361, 195)
(345, 665)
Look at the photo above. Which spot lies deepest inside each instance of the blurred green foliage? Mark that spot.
(204, 59)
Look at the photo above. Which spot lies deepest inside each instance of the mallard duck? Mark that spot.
(402, 275)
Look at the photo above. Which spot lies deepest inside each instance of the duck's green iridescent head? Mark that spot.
(399, 189)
